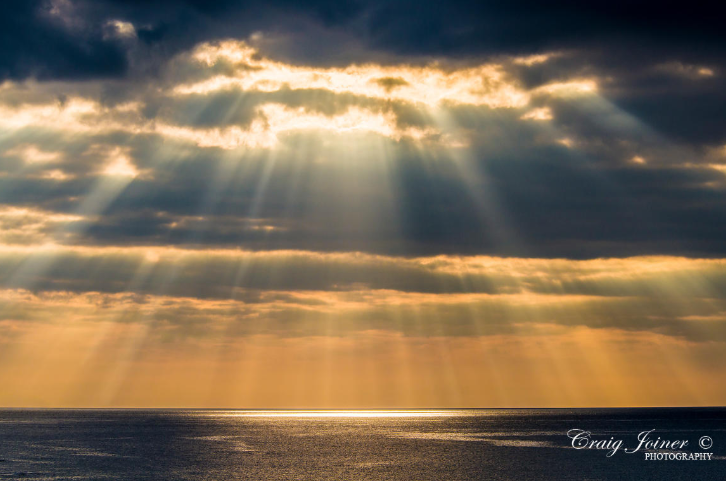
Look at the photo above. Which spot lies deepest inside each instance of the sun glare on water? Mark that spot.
(336, 414)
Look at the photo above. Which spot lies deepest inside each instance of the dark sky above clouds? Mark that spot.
(192, 174)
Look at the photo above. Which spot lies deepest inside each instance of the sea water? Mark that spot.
(359, 445)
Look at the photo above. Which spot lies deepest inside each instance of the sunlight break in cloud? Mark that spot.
(276, 119)
(378, 93)
(484, 85)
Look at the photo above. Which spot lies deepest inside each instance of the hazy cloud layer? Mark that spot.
(303, 293)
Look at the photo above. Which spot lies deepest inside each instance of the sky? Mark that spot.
(356, 205)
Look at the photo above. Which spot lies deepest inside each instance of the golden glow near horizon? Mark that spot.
(552, 323)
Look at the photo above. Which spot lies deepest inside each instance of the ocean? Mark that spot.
(361, 445)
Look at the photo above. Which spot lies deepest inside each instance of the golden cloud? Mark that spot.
(367, 95)
(431, 86)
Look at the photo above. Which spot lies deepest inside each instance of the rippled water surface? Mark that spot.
(296, 445)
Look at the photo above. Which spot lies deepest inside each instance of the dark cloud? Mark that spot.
(216, 274)
(39, 40)
(467, 27)
(69, 39)
(36, 42)
(301, 293)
